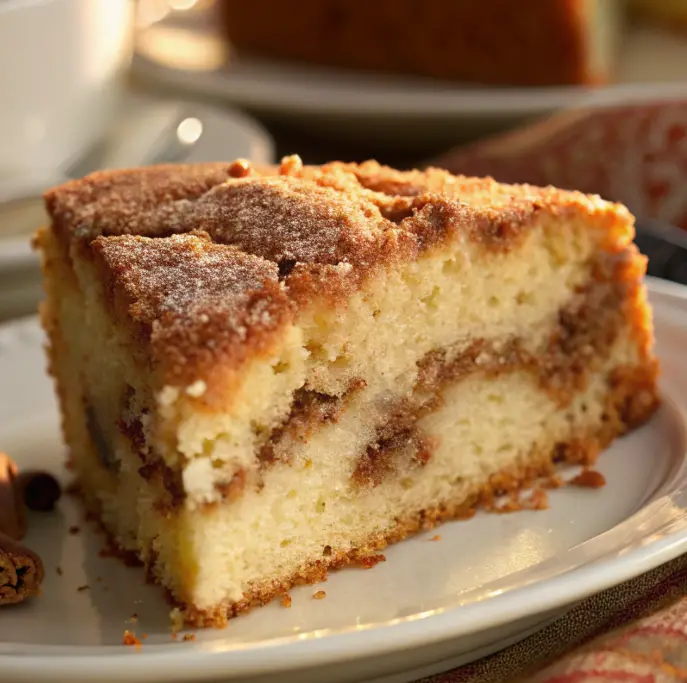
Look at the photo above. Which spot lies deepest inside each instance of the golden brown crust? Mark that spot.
(320, 230)
(115, 200)
(324, 214)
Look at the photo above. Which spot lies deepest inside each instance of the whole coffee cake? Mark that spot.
(497, 42)
(265, 373)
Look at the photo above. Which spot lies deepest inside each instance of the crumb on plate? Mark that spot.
(537, 500)
(371, 560)
(130, 638)
(590, 479)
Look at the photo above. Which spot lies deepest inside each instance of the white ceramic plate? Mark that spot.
(407, 111)
(486, 582)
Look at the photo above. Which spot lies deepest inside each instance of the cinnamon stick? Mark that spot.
(21, 572)
(13, 520)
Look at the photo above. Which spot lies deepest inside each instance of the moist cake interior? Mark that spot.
(266, 373)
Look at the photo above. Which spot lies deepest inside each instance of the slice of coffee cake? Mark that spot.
(265, 373)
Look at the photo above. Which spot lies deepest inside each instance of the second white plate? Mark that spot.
(403, 112)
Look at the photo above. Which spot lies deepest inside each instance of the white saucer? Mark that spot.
(433, 604)
(405, 111)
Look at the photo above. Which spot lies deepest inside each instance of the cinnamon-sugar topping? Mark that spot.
(172, 276)
(113, 202)
(321, 230)
(198, 302)
(321, 214)
(281, 218)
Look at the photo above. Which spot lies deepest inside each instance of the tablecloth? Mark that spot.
(633, 633)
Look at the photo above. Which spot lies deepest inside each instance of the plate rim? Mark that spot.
(209, 660)
(264, 84)
(16, 251)
(441, 103)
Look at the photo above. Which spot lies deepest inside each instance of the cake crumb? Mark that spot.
(371, 560)
(285, 600)
(130, 638)
(240, 168)
(133, 618)
(319, 595)
(291, 164)
(73, 530)
(553, 482)
(512, 504)
(538, 500)
(590, 479)
(189, 636)
(509, 506)
(436, 537)
(58, 571)
(85, 587)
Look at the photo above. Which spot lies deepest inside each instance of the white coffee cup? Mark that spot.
(62, 64)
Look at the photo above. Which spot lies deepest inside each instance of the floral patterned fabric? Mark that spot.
(635, 154)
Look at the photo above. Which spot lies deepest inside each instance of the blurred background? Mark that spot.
(584, 94)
